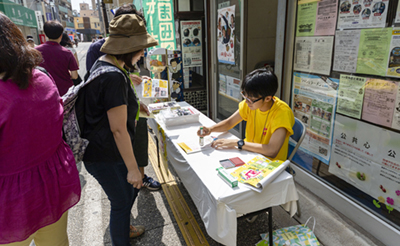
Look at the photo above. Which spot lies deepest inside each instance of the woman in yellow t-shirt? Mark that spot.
(269, 119)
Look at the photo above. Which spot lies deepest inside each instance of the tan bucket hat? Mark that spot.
(127, 34)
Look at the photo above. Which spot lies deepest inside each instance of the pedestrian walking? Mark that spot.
(39, 180)
(57, 60)
(66, 42)
(111, 109)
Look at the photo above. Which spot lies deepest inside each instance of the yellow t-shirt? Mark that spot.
(261, 125)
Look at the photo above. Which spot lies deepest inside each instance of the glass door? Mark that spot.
(227, 36)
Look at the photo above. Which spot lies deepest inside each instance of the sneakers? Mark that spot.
(150, 183)
(135, 231)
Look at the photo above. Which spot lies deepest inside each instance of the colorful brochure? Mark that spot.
(152, 88)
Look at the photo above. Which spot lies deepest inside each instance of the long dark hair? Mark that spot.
(127, 58)
(66, 41)
(17, 57)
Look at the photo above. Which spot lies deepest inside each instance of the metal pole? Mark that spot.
(100, 17)
(103, 5)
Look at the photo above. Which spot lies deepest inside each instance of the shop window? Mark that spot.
(190, 5)
(346, 90)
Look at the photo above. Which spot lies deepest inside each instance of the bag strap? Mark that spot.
(305, 224)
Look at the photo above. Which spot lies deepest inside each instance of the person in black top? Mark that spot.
(111, 103)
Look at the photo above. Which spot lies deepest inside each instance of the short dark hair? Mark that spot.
(17, 57)
(127, 9)
(127, 58)
(260, 83)
(173, 60)
(53, 29)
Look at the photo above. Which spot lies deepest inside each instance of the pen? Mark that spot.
(201, 140)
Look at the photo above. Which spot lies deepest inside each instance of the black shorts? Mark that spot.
(140, 148)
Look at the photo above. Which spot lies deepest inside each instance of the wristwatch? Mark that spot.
(240, 144)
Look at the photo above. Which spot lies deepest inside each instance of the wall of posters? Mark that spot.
(372, 52)
(191, 43)
(226, 35)
(362, 14)
(379, 99)
(350, 95)
(346, 50)
(313, 54)
(393, 67)
(367, 157)
(315, 104)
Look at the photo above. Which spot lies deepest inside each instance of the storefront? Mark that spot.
(23, 17)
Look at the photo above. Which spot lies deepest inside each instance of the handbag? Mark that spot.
(299, 235)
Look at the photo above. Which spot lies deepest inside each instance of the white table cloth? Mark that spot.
(218, 204)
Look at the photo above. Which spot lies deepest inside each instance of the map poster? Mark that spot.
(373, 51)
(362, 14)
(367, 157)
(379, 100)
(315, 104)
(350, 95)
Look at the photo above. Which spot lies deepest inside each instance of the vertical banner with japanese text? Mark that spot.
(159, 15)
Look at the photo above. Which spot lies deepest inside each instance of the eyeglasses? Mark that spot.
(249, 100)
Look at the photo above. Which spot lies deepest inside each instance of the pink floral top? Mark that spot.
(39, 180)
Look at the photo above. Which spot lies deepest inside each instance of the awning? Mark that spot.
(88, 31)
(18, 14)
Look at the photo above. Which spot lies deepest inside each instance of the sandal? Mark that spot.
(136, 231)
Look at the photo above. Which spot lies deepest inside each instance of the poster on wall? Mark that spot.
(396, 112)
(362, 14)
(226, 35)
(346, 50)
(373, 51)
(313, 54)
(191, 43)
(379, 100)
(393, 67)
(315, 104)
(350, 95)
(367, 157)
(397, 19)
(317, 18)
(229, 86)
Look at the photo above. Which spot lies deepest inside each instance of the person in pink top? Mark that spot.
(39, 180)
(57, 60)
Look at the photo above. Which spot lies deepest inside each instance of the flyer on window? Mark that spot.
(396, 112)
(346, 50)
(362, 14)
(191, 43)
(313, 54)
(226, 35)
(367, 157)
(397, 19)
(351, 95)
(306, 14)
(373, 51)
(315, 105)
(393, 67)
(229, 86)
(379, 100)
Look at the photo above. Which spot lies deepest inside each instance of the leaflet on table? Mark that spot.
(317, 18)
(396, 113)
(397, 19)
(313, 54)
(393, 67)
(362, 14)
(156, 107)
(350, 95)
(379, 101)
(191, 43)
(373, 51)
(346, 50)
(314, 102)
(192, 145)
(152, 88)
(367, 157)
(226, 35)
(259, 172)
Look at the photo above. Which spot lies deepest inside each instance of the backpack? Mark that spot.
(74, 113)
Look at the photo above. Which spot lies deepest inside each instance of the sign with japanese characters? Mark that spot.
(315, 104)
(226, 35)
(159, 15)
(367, 157)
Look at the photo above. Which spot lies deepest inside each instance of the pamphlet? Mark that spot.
(193, 145)
(259, 172)
(152, 88)
(156, 107)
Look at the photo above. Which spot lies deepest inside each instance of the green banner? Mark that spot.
(159, 17)
(18, 14)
